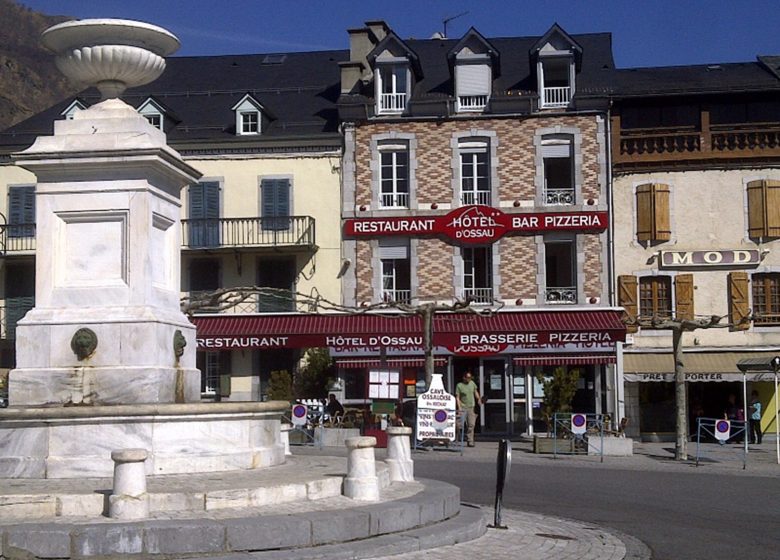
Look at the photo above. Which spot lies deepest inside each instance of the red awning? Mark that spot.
(564, 359)
(356, 363)
(514, 329)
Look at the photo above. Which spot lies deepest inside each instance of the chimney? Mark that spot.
(379, 28)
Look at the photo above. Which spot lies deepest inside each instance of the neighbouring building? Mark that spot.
(696, 163)
(477, 169)
(263, 131)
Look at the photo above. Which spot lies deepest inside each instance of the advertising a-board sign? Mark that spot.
(436, 412)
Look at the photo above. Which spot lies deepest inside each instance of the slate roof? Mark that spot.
(299, 92)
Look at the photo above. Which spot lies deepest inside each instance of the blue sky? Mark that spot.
(645, 33)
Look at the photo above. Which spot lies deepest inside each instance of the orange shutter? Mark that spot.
(739, 304)
(756, 214)
(653, 222)
(661, 220)
(627, 299)
(683, 297)
(772, 202)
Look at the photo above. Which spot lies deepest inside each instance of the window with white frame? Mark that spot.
(558, 163)
(72, 109)
(152, 112)
(394, 175)
(556, 81)
(396, 271)
(250, 122)
(477, 274)
(474, 172)
(248, 117)
(473, 82)
(392, 87)
(560, 271)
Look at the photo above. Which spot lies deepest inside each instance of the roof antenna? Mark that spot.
(445, 21)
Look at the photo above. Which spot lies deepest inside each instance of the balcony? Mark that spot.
(275, 301)
(272, 232)
(17, 238)
(392, 102)
(478, 295)
(559, 197)
(560, 295)
(472, 102)
(646, 146)
(395, 200)
(397, 296)
(475, 197)
(556, 97)
(11, 313)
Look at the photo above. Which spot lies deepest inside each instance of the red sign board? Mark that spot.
(477, 225)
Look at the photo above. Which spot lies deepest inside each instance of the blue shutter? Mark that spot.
(275, 195)
(21, 211)
(204, 214)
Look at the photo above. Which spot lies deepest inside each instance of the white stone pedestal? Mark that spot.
(285, 435)
(361, 482)
(399, 454)
(128, 499)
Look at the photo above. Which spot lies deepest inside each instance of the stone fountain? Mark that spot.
(106, 359)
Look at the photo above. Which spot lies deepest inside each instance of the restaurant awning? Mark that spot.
(357, 363)
(699, 366)
(564, 359)
(517, 329)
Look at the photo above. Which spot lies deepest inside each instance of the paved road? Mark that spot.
(716, 511)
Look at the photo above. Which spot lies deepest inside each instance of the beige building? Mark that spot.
(697, 218)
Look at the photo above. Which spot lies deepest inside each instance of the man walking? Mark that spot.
(755, 418)
(466, 398)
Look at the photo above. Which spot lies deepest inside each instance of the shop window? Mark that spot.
(477, 274)
(560, 271)
(766, 298)
(474, 172)
(652, 213)
(763, 199)
(394, 179)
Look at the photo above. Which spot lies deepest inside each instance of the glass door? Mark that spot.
(495, 386)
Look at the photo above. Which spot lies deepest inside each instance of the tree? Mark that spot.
(315, 375)
(559, 390)
(280, 386)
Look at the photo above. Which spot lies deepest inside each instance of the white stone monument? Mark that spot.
(106, 359)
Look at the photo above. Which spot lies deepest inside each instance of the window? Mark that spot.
(558, 166)
(154, 120)
(392, 88)
(279, 275)
(275, 204)
(205, 278)
(766, 298)
(212, 366)
(152, 112)
(72, 109)
(474, 173)
(19, 294)
(204, 211)
(21, 211)
(250, 122)
(763, 209)
(477, 274)
(655, 297)
(394, 180)
(473, 83)
(560, 269)
(652, 213)
(555, 85)
(396, 271)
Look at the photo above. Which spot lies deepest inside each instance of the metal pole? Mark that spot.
(744, 414)
(503, 463)
(777, 425)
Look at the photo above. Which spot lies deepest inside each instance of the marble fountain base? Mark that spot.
(76, 441)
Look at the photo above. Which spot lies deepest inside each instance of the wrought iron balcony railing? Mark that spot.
(478, 295)
(17, 238)
(397, 296)
(560, 295)
(278, 231)
(475, 197)
(559, 197)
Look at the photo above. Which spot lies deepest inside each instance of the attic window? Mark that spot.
(72, 109)
(274, 58)
(473, 83)
(152, 112)
(248, 117)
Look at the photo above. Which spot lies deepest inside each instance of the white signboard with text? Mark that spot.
(436, 412)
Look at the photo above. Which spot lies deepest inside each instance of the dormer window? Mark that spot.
(558, 57)
(72, 109)
(153, 113)
(475, 63)
(392, 85)
(248, 116)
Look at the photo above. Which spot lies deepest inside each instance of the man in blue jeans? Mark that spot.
(466, 398)
(755, 418)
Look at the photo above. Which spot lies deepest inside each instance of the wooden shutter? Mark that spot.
(739, 303)
(763, 208)
(21, 211)
(275, 209)
(683, 297)
(627, 299)
(653, 221)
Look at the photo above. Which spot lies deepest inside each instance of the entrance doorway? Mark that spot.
(494, 380)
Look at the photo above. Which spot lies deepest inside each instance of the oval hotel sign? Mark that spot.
(476, 224)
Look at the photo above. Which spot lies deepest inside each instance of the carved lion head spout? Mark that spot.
(84, 343)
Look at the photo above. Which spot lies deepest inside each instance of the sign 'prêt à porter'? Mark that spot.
(476, 224)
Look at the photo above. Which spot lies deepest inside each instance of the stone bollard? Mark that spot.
(129, 499)
(361, 482)
(399, 454)
(285, 436)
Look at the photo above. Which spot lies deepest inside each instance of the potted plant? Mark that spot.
(559, 389)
